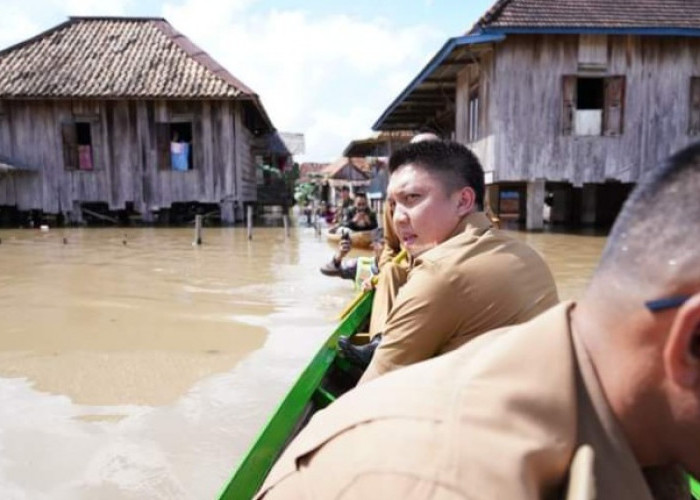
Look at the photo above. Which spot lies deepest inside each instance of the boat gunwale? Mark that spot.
(275, 434)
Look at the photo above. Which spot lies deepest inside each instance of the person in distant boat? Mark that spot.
(342, 208)
(360, 217)
(465, 277)
(616, 373)
(357, 268)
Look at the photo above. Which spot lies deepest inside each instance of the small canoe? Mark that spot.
(326, 378)
(358, 239)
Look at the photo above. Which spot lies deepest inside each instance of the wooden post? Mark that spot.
(285, 221)
(250, 221)
(197, 230)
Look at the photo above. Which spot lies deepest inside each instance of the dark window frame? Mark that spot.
(694, 107)
(80, 138)
(613, 116)
(473, 112)
(165, 133)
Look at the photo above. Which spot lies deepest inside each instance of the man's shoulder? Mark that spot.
(489, 394)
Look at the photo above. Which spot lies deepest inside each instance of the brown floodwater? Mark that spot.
(134, 365)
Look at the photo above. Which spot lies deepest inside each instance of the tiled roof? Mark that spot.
(682, 14)
(114, 58)
(334, 169)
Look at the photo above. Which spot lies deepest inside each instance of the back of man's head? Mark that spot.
(454, 162)
(653, 246)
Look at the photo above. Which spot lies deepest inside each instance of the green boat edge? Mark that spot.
(261, 456)
(694, 488)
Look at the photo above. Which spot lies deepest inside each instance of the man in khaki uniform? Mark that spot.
(502, 416)
(465, 277)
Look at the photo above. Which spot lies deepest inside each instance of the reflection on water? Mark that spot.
(133, 365)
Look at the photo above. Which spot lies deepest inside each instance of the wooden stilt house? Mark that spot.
(564, 101)
(127, 114)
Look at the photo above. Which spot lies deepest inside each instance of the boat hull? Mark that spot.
(358, 239)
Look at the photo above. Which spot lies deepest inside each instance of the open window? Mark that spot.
(473, 115)
(593, 106)
(175, 144)
(78, 145)
(694, 123)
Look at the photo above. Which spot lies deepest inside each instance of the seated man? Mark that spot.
(502, 416)
(360, 217)
(343, 206)
(465, 277)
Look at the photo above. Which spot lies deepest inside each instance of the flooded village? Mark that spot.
(161, 238)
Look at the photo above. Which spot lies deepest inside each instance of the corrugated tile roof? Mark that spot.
(681, 14)
(100, 57)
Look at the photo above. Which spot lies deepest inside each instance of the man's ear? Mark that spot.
(466, 201)
(682, 349)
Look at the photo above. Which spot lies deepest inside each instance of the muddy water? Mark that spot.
(134, 365)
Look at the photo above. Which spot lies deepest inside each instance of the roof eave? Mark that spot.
(434, 63)
(591, 30)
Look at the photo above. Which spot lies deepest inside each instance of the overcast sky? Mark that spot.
(325, 68)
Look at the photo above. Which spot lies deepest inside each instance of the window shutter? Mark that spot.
(613, 113)
(163, 145)
(694, 124)
(568, 104)
(70, 146)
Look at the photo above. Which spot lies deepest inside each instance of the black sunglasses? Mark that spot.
(666, 303)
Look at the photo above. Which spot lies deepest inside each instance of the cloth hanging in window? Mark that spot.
(179, 152)
(85, 157)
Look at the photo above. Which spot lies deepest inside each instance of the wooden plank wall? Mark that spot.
(245, 162)
(125, 154)
(524, 92)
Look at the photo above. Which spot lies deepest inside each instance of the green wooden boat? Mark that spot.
(694, 488)
(326, 377)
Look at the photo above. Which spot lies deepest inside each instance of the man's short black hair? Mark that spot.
(654, 241)
(361, 195)
(345, 188)
(459, 166)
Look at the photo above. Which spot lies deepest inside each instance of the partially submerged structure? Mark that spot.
(569, 100)
(125, 114)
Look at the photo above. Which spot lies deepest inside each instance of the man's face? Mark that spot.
(361, 203)
(345, 194)
(425, 215)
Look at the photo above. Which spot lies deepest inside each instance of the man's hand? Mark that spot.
(343, 249)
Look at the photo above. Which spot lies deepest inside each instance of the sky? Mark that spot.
(324, 68)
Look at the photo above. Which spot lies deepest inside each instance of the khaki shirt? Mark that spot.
(498, 418)
(476, 281)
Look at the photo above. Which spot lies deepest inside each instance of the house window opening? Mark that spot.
(180, 146)
(590, 93)
(590, 100)
(593, 105)
(473, 116)
(84, 141)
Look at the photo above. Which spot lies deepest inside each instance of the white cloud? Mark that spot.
(327, 77)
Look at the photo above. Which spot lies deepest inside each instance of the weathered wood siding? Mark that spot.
(523, 107)
(246, 162)
(125, 154)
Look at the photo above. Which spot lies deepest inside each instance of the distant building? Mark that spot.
(569, 100)
(126, 114)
